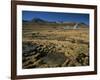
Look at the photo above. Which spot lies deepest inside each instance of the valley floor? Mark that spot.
(55, 48)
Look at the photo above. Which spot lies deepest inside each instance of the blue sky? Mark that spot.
(56, 16)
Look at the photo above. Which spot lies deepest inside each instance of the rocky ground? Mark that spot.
(42, 54)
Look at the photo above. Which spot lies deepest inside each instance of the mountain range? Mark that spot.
(39, 21)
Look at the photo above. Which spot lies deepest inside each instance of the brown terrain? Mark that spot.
(54, 45)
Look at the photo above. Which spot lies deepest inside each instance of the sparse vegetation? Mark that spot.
(52, 46)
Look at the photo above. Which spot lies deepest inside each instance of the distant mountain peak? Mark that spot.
(38, 20)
